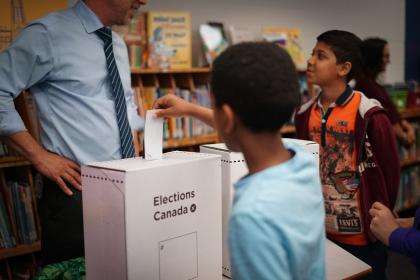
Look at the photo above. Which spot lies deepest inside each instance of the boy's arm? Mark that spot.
(255, 252)
(384, 147)
(173, 106)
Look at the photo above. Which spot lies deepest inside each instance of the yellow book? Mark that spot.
(169, 40)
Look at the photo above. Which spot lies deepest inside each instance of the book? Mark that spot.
(8, 240)
(213, 39)
(241, 34)
(169, 40)
(288, 38)
(135, 37)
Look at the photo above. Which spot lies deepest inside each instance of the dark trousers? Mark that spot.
(62, 224)
(374, 254)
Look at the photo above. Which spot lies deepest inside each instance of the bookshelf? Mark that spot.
(411, 113)
(20, 250)
(171, 81)
(13, 162)
(19, 213)
(156, 71)
(409, 192)
(20, 225)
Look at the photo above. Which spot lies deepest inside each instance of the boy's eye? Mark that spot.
(321, 56)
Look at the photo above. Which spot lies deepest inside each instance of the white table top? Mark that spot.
(341, 264)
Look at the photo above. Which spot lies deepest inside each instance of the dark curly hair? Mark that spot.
(346, 48)
(372, 53)
(259, 81)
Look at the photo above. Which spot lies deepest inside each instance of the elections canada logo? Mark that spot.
(175, 198)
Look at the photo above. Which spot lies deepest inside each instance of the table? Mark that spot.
(340, 264)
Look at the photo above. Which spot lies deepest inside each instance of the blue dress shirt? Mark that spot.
(61, 61)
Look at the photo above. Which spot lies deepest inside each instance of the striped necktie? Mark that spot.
(127, 145)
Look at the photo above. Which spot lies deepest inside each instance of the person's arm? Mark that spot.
(256, 251)
(173, 106)
(27, 61)
(406, 241)
(382, 138)
(55, 167)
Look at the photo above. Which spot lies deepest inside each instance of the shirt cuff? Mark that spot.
(396, 239)
(11, 123)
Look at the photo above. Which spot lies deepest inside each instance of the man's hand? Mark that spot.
(172, 106)
(383, 222)
(59, 170)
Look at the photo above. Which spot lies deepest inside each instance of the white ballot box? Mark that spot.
(153, 219)
(234, 168)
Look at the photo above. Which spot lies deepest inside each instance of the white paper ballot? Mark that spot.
(153, 136)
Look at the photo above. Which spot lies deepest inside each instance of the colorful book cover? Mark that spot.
(241, 34)
(169, 40)
(289, 38)
(214, 40)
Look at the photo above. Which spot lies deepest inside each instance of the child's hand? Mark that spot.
(383, 222)
(171, 106)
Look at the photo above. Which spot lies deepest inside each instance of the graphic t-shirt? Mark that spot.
(338, 166)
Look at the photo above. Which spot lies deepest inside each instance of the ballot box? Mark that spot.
(153, 219)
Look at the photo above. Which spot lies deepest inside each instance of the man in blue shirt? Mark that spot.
(78, 73)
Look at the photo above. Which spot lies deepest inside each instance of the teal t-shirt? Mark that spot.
(276, 228)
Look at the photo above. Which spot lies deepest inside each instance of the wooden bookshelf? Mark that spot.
(20, 250)
(301, 71)
(193, 141)
(170, 71)
(411, 160)
(410, 113)
(13, 162)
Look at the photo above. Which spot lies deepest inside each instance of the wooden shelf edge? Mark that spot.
(169, 71)
(20, 250)
(13, 162)
(408, 206)
(410, 113)
(410, 161)
(211, 138)
(198, 140)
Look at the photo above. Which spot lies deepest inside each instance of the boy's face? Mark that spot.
(323, 68)
(224, 122)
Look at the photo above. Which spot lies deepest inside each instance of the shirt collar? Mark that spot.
(342, 100)
(89, 19)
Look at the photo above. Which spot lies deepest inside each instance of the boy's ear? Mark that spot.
(227, 119)
(344, 68)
